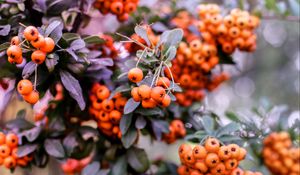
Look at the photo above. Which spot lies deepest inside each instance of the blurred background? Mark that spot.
(269, 76)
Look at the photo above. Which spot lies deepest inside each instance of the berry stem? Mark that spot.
(137, 63)
(22, 24)
(170, 74)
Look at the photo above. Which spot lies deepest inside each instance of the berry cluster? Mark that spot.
(120, 8)
(8, 152)
(74, 166)
(43, 45)
(177, 130)
(232, 31)
(149, 96)
(212, 158)
(26, 89)
(108, 112)
(279, 155)
(107, 49)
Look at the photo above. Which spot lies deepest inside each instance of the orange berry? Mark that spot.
(115, 116)
(39, 42)
(199, 152)
(158, 93)
(14, 153)
(105, 125)
(22, 162)
(234, 150)
(237, 171)
(227, 47)
(25, 87)
(228, 21)
(189, 158)
(234, 32)
(15, 40)
(1, 161)
(231, 164)
(2, 138)
(103, 116)
(212, 145)
(103, 92)
(163, 82)
(212, 160)
(49, 45)
(130, 7)
(201, 166)
(183, 149)
(185, 80)
(135, 75)
(116, 130)
(195, 45)
(123, 17)
(31, 33)
(148, 103)
(117, 7)
(15, 52)
(12, 140)
(120, 103)
(38, 57)
(4, 150)
(144, 92)
(32, 97)
(166, 101)
(219, 169)
(238, 42)
(224, 153)
(242, 154)
(10, 162)
(135, 94)
(222, 30)
(15, 61)
(97, 104)
(107, 105)
(195, 172)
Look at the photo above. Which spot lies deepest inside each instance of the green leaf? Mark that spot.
(142, 32)
(51, 27)
(153, 111)
(33, 134)
(28, 69)
(130, 106)
(159, 127)
(174, 37)
(232, 116)
(51, 61)
(70, 36)
(120, 167)
(24, 150)
(129, 137)
(54, 148)
(73, 86)
(91, 169)
(229, 139)
(125, 122)
(21, 114)
(208, 124)
(140, 122)
(94, 39)
(227, 129)
(56, 33)
(138, 160)
(4, 46)
(19, 123)
(122, 88)
(77, 44)
(171, 53)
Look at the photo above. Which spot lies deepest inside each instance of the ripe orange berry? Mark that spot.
(12, 140)
(189, 158)
(163, 82)
(39, 42)
(183, 149)
(228, 21)
(135, 94)
(158, 93)
(199, 152)
(234, 150)
(130, 7)
(195, 45)
(144, 92)
(195, 172)
(219, 169)
(185, 80)
(231, 164)
(212, 145)
(38, 57)
(2, 138)
(10, 162)
(14, 153)
(107, 105)
(148, 103)
(31, 33)
(97, 104)
(242, 154)
(15, 40)
(120, 103)
(15, 61)
(123, 17)
(49, 45)
(117, 7)
(212, 160)
(201, 166)
(135, 75)
(106, 125)
(237, 171)
(1, 161)
(221, 30)
(32, 97)
(103, 116)
(103, 93)
(14, 52)
(22, 162)
(166, 101)
(224, 153)
(234, 32)
(4, 150)
(115, 116)
(25, 87)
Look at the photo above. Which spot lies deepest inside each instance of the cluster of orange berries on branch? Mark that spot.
(149, 96)
(26, 89)
(210, 159)
(279, 154)
(107, 49)
(73, 166)
(107, 112)
(8, 152)
(43, 45)
(235, 30)
(177, 131)
(120, 8)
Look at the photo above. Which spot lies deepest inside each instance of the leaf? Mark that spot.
(140, 122)
(51, 27)
(159, 127)
(223, 57)
(4, 46)
(129, 137)
(229, 139)
(227, 129)
(125, 123)
(54, 148)
(33, 133)
(56, 33)
(174, 37)
(208, 124)
(142, 32)
(77, 44)
(138, 160)
(73, 86)
(72, 53)
(24, 150)
(70, 143)
(88, 132)
(232, 116)
(93, 39)
(70, 36)
(91, 169)
(50, 63)
(28, 69)
(122, 88)
(130, 106)
(4, 30)
(153, 111)
(120, 167)
(21, 114)
(19, 123)
(171, 53)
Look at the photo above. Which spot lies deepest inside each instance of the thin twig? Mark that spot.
(173, 82)
(137, 63)
(138, 43)
(22, 24)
